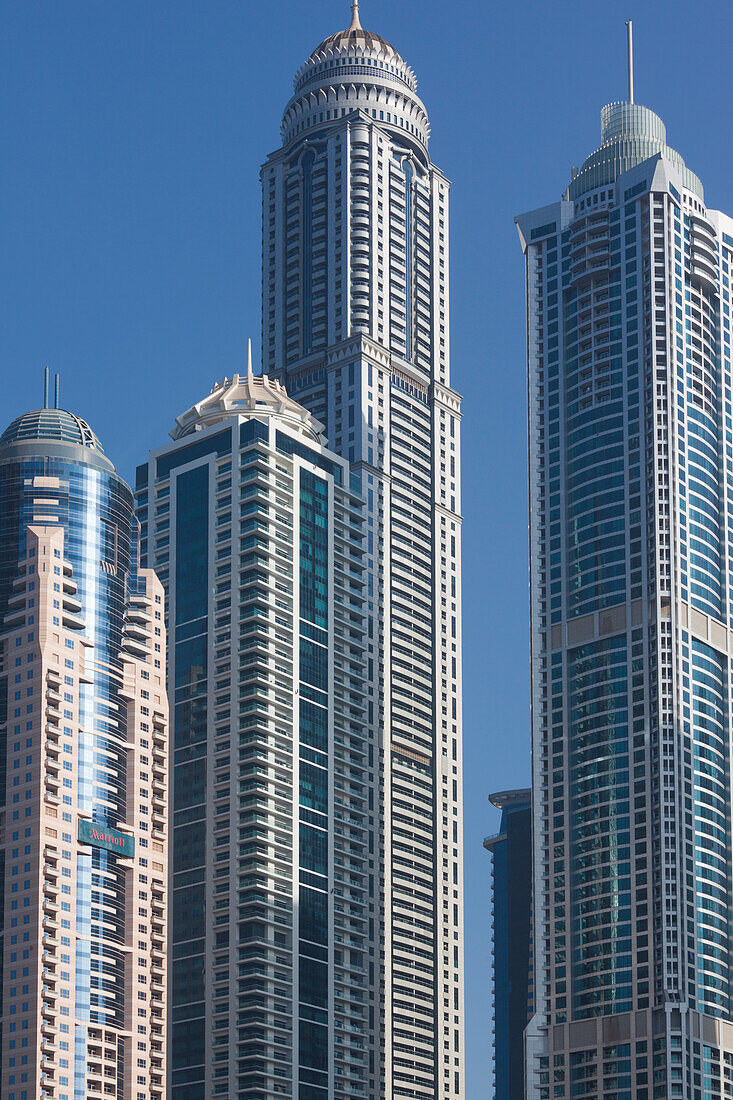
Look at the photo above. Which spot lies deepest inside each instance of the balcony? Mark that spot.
(70, 619)
(71, 600)
(53, 711)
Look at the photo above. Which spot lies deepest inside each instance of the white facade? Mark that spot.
(259, 542)
(631, 485)
(355, 321)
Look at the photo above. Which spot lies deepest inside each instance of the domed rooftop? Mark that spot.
(53, 432)
(356, 70)
(58, 425)
(247, 395)
(356, 38)
(630, 134)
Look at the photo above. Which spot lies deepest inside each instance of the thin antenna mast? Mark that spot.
(56, 392)
(45, 388)
(630, 53)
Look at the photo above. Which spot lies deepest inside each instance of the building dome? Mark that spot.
(53, 433)
(355, 70)
(56, 425)
(254, 396)
(630, 134)
(357, 39)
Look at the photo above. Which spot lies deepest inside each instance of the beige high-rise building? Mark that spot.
(83, 776)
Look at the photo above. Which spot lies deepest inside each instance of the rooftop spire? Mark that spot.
(249, 361)
(355, 24)
(630, 58)
(45, 387)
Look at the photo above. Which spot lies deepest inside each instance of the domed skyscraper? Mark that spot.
(355, 323)
(631, 582)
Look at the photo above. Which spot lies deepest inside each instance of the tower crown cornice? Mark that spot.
(247, 395)
(630, 134)
(355, 69)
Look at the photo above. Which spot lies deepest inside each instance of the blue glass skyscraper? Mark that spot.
(511, 850)
(631, 490)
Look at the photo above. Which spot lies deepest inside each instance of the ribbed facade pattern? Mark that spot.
(631, 483)
(355, 322)
(342, 255)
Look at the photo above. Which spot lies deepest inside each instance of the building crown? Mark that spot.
(355, 69)
(630, 134)
(255, 396)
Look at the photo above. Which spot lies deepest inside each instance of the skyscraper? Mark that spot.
(83, 775)
(631, 476)
(355, 323)
(511, 889)
(258, 538)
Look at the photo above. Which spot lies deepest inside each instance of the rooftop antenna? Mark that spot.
(355, 24)
(45, 388)
(249, 361)
(630, 55)
(56, 392)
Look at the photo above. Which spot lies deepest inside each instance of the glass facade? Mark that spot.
(595, 485)
(631, 469)
(269, 921)
(95, 509)
(511, 851)
(190, 769)
(711, 800)
(315, 820)
(600, 837)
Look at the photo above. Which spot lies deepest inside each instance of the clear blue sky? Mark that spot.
(131, 136)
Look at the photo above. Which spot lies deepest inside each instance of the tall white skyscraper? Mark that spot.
(355, 322)
(631, 490)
